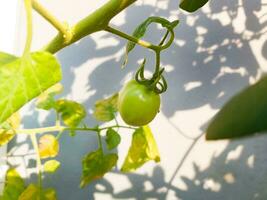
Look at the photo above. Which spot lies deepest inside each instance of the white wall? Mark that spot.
(8, 18)
(217, 51)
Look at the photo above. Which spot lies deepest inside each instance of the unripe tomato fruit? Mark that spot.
(137, 104)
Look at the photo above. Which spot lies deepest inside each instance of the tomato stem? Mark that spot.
(64, 128)
(132, 38)
(97, 21)
(28, 9)
(38, 159)
(164, 38)
(100, 144)
(61, 27)
(156, 74)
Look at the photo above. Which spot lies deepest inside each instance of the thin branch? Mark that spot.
(28, 9)
(38, 159)
(64, 128)
(61, 27)
(131, 38)
(97, 21)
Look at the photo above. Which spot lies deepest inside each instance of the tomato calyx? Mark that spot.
(157, 83)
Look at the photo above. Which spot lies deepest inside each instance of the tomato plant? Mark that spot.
(36, 75)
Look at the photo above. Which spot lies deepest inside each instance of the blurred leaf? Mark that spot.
(6, 58)
(33, 192)
(113, 139)
(14, 185)
(142, 150)
(140, 31)
(48, 146)
(30, 193)
(72, 113)
(49, 194)
(72, 133)
(105, 109)
(51, 166)
(46, 99)
(24, 78)
(192, 5)
(243, 115)
(7, 129)
(95, 165)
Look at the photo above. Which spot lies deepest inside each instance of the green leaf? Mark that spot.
(24, 78)
(95, 165)
(105, 109)
(192, 5)
(243, 115)
(142, 150)
(48, 146)
(51, 166)
(46, 99)
(33, 192)
(72, 113)
(6, 58)
(7, 129)
(14, 186)
(140, 31)
(113, 139)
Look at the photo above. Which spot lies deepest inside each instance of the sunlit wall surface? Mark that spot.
(8, 19)
(217, 51)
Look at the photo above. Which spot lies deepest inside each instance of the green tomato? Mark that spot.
(137, 104)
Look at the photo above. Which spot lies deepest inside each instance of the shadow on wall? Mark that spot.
(229, 176)
(209, 62)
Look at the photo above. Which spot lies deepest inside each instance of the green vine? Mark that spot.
(28, 9)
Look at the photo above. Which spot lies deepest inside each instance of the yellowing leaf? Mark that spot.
(46, 99)
(72, 113)
(14, 185)
(51, 166)
(24, 78)
(33, 192)
(7, 132)
(95, 165)
(49, 194)
(142, 150)
(48, 146)
(105, 108)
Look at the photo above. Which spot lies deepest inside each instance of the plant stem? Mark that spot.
(99, 141)
(40, 130)
(131, 38)
(117, 126)
(61, 27)
(168, 44)
(96, 21)
(28, 8)
(157, 63)
(38, 159)
(64, 128)
(164, 38)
